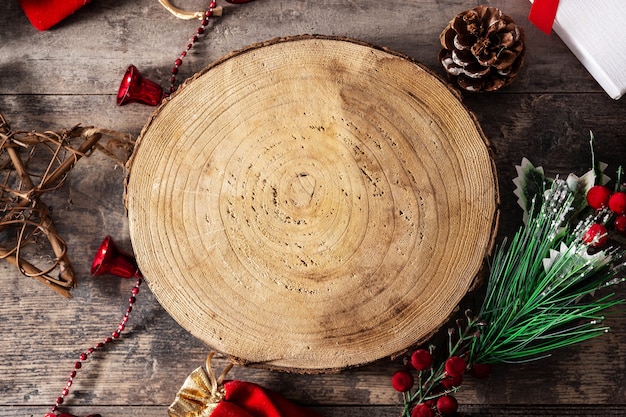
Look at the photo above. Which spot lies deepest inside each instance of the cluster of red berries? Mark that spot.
(438, 398)
(600, 197)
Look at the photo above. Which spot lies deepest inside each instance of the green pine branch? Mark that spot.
(530, 310)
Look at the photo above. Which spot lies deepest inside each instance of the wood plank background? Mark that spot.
(69, 75)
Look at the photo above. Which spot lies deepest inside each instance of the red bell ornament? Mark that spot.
(134, 88)
(111, 260)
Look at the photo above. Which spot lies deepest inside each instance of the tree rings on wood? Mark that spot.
(312, 203)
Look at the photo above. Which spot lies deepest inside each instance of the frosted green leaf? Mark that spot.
(530, 184)
(554, 255)
(599, 177)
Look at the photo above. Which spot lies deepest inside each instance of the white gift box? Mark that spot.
(595, 31)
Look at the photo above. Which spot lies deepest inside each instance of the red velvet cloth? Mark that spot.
(246, 399)
(43, 14)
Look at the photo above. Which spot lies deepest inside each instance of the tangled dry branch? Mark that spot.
(35, 163)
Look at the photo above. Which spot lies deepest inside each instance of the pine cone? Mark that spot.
(483, 49)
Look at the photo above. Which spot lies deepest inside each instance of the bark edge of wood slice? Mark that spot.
(312, 203)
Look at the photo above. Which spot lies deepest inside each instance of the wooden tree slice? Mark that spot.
(312, 203)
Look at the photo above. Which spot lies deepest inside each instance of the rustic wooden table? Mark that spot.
(69, 75)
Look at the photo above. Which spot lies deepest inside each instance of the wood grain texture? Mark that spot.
(69, 75)
(300, 218)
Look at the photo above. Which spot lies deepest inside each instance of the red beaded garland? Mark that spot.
(83, 356)
(199, 31)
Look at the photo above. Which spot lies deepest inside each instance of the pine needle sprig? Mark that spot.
(542, 289)
(530, 310)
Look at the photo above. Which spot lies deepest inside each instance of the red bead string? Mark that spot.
(199, 31)
(131, 301)
(85, 355)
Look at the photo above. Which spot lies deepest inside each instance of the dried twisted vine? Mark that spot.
(32, 164)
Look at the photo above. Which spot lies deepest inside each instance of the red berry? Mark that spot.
(452, 381)
(431, 403)
(596, 236)
(620, 223)
(455, 366)
(598, 196)
(421, 360)
(402, 381)
(480, 370)
(422, 410)
(447, 405)
(617, 202)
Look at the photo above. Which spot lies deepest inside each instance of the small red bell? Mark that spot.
(111, 260)
(134, 88)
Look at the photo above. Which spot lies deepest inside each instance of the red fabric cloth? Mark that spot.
(43, 14)
(542, 14)
(246, 399)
